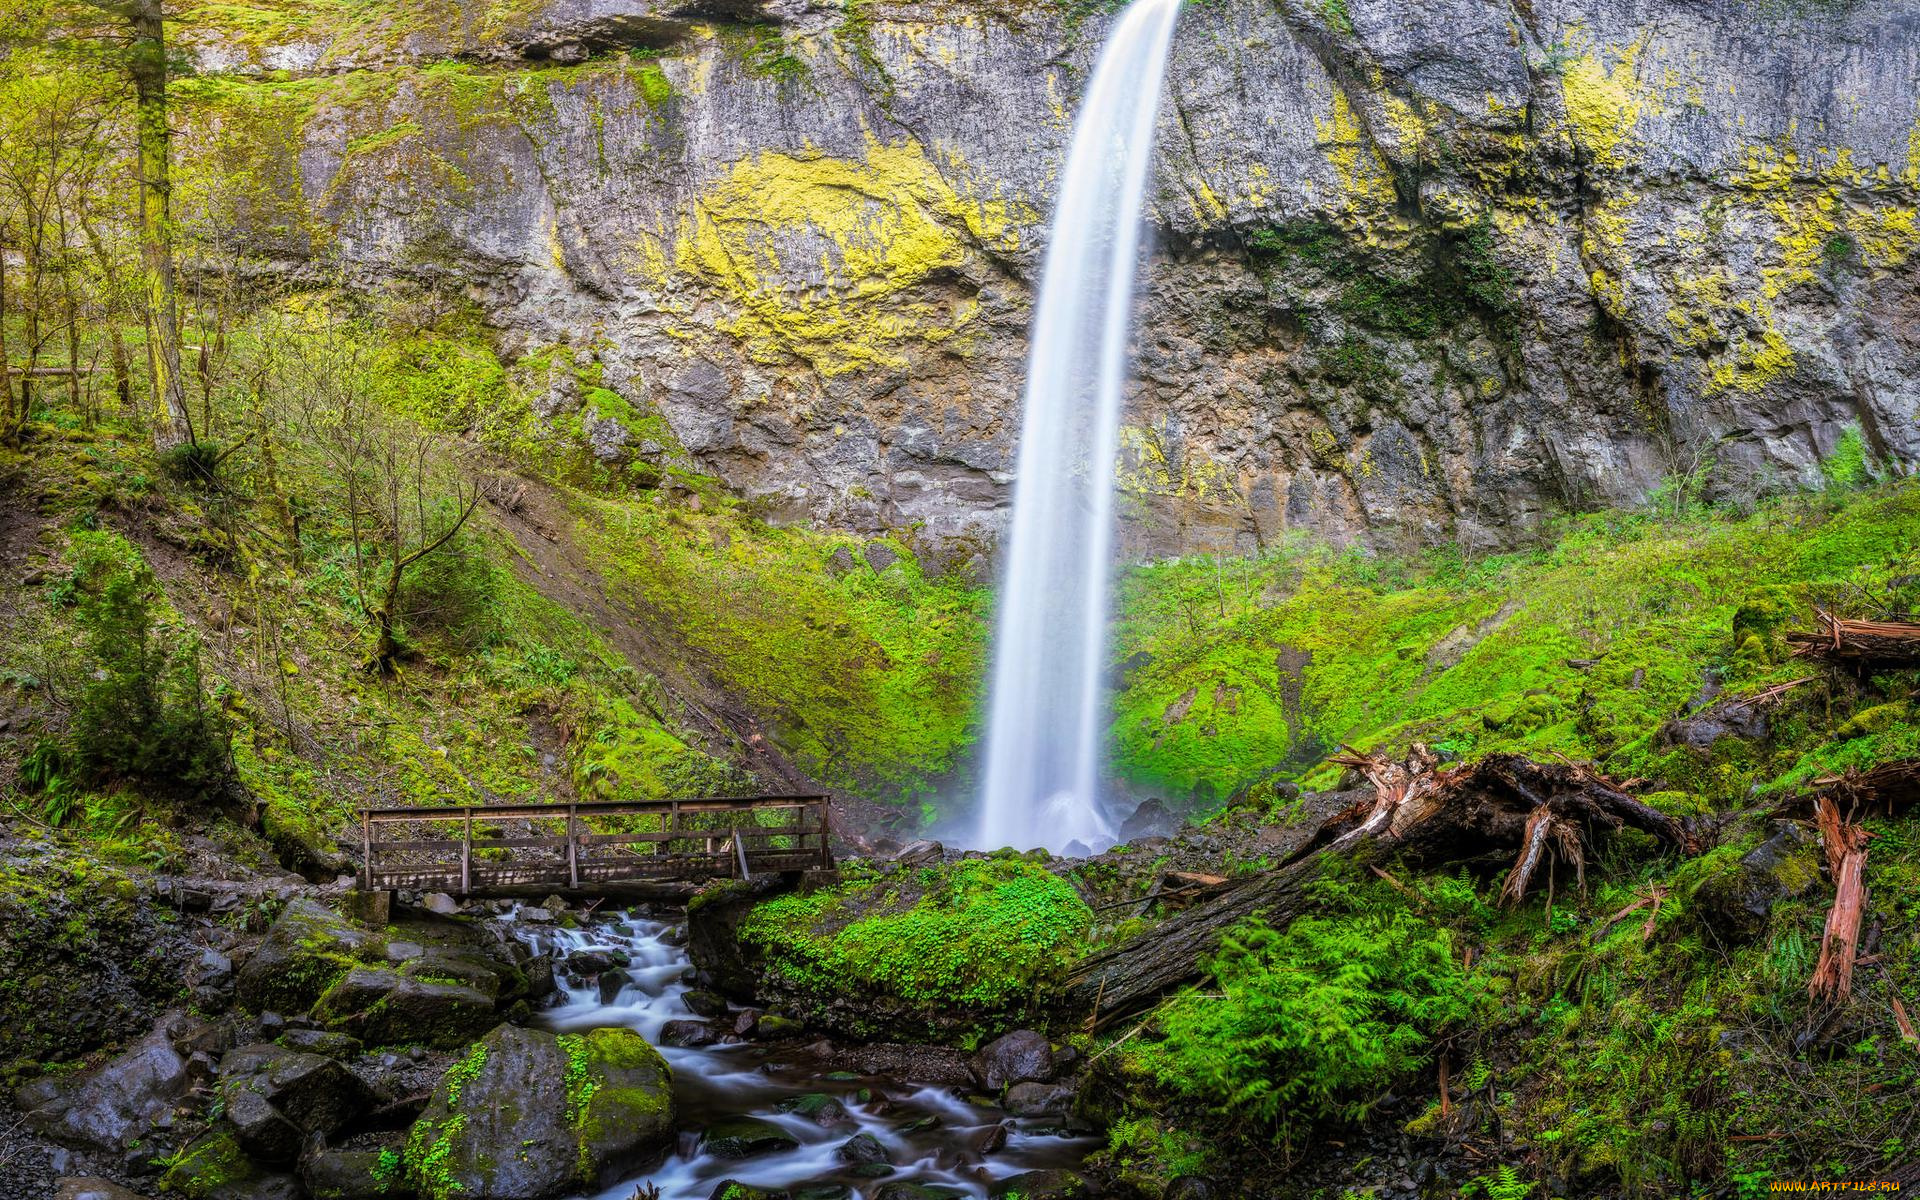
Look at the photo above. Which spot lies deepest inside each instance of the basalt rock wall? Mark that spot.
(1422, 268)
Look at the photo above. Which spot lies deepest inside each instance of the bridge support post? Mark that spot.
(573, 850)
(466, 854)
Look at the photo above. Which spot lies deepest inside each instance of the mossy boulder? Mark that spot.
(527, 1115)
(305, 952)
(342, 1174)
(1736, 899)
(745, 1137)
(384, 1007)
(214, 1167)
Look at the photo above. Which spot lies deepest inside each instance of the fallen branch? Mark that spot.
(1846, 848)
(1861, 643)
(1423, 812)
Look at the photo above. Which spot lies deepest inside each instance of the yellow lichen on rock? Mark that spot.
(1365, 179)
(1603, 105)
(823, 258)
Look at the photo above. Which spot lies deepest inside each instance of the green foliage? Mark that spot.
(974, 940)
(141, 715)
(1586, 646)
(1850, 465)
(1504, 1184)
(1306, 1024)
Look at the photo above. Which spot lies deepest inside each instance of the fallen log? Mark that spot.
(1859, 643)
(1421, 812)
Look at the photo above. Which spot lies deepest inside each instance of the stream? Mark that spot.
(929, 1131)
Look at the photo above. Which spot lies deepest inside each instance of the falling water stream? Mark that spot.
(929, 1131)
(1044, 718)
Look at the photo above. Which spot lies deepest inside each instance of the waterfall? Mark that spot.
(1044, 717)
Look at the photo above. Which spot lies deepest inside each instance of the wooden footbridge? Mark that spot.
(590, 846)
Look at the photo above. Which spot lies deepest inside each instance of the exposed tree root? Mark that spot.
(1859, 643)
(1424, 813)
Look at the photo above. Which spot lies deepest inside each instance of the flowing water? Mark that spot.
(928, 1130)
(1044, 719)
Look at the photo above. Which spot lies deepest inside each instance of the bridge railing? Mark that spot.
(582, 845)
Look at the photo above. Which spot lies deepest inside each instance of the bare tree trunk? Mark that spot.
(148, 64)
(9, 425)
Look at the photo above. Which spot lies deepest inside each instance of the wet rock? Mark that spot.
(1702, 729)
(89, 1187)
(725, 961)
(611, 983)
(1039, 1099)
(110, 1108)
(923, 851)
(321, 1041)
(383, 1007)
(818, 1107)
(400, 952)
(1150, 819)
(704, 1003)
(352, 1174)
(276, 1097)
(264, 1133)
(589, 962)
(1736, 901)
(688, 1033)
(863, 1148)
(305, 951)
(440, 903)
(215, 1168)
(526, 1115)
(823, 1191)
(746, 1137)
(1018, 1057)
(1191, 1187)
(746, 1023)
(773, 1027)
(990, 1140)
(1042, 1185)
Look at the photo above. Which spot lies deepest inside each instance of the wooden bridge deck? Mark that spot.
(589, 846)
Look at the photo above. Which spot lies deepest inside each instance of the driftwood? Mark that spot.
(1425, 814)
(1859, 643)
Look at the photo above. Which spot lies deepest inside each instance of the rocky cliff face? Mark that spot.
(1422, 269)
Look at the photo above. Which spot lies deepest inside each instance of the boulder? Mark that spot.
(215, 1168)
(1736, 900)
(1039, 1099)
(527, 1115)
(688, 1033)
(990, 1140)
(352, 1174)
(1190, 1187)
(1018, 1057)
(745, 1137)
(276, 1097)
(110, 1108)
(611, 983)
(321, 1041)
(863, 1148)
(308, 948)
(704, 1003)
(1042, 1185)
(384, 1007)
